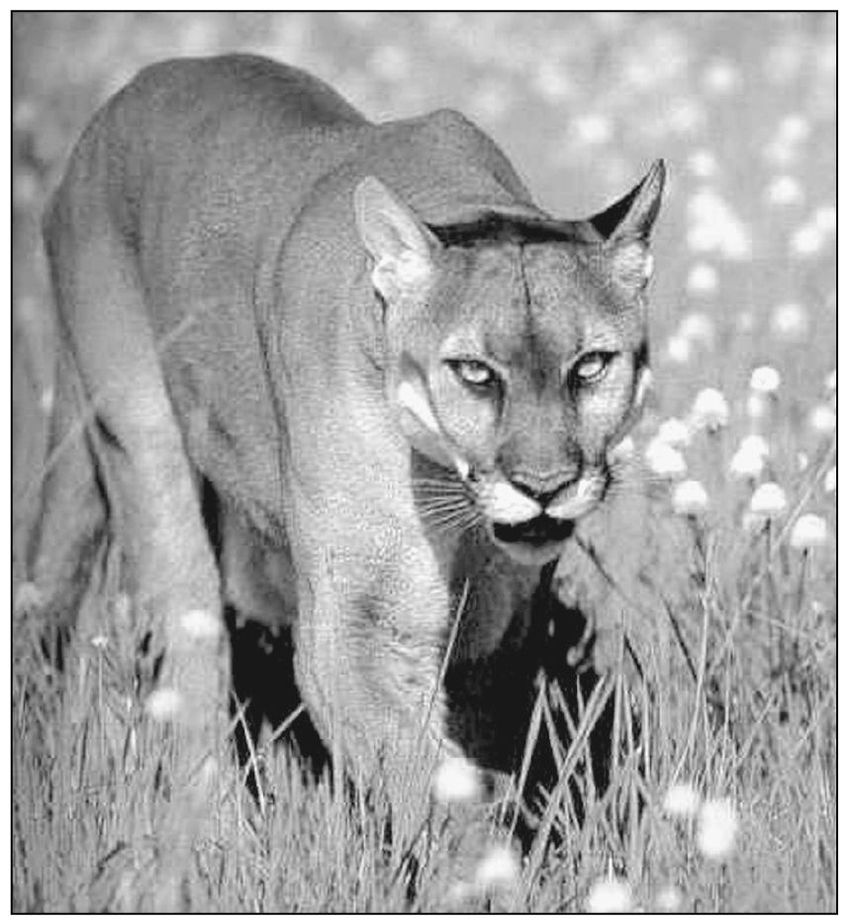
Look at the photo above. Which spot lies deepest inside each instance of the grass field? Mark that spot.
(714, 596)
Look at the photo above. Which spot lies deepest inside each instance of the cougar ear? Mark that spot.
(633, 216)
(400, 245)
(625, 228)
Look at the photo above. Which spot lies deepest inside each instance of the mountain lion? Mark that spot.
(340, 377)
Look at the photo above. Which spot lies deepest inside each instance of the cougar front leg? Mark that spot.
(369, 663)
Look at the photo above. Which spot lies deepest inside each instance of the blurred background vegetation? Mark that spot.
(740, 105)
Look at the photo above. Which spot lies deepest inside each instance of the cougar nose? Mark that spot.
(541, 488)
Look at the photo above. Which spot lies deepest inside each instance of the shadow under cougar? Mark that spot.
(490, 702)
(264, 689)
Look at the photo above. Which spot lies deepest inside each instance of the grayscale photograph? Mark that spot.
(424, 462)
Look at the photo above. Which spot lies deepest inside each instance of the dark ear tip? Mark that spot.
(657, 174)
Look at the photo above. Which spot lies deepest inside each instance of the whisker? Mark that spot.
(459, 497)
(420, 480)
(430, 498)
(444, 505)
(471, 523)
(445, 501)
(442, 513)
(462, 518)
(433, 489)
(438, 483)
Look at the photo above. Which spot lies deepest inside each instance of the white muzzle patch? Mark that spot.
(506, 505)
(575, 503)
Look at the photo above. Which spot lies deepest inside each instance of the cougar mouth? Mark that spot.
(538, 531)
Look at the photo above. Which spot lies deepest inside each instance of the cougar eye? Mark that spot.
(591, 367)
(474, 373)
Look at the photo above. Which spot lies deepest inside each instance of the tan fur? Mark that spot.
(251, 282)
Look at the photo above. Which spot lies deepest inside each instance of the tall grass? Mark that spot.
(729, 687)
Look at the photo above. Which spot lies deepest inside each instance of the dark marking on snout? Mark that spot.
(542, 488)
(538, 532)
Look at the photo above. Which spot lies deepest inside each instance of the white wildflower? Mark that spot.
(552, 81)
(829, 481)
(164, 704)
(750, 457)
(710, 409)
(689, 498)
(717, 828)
(609, 896)
(790, 321)
(668, 899)
(768, 500)
(697, 327)
(100, 642)
(594, 129)
(459, 893)
(678, 349)
(682, 800)
(713, 226)
(746, 464)
(825, 219)
(765, 379)
(702, 279)
(757, 406)
(784, 190)
(809, 532)
(456, 780)
(822, 419)
(664, 460)
(794, 128)
(685, 116)
(702, 164)
(807, 240)
(721, 77)
(674, 432)
(499, 868)
(755, 444)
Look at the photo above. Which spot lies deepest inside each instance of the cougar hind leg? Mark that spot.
(167, 564)
(70, 529)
